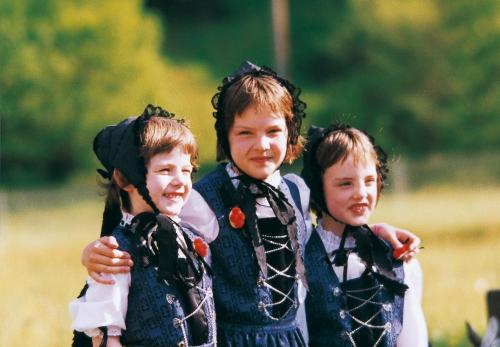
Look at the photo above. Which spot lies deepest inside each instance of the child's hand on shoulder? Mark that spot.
(103, 256)
(399, 239)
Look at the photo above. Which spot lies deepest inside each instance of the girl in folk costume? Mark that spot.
(166, 299)
(360, 295)
(259, 219)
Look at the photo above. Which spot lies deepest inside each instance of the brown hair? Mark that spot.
(163, 134)
(160, 134)
(341, 143)
(259, 91)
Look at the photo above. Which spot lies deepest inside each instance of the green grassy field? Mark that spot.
(42, 233)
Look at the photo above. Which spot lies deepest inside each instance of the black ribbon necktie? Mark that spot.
(375, 253)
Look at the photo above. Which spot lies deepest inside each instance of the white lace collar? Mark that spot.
(332, 241)
(274, 179)
(127, 219)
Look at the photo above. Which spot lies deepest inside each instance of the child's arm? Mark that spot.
(397, 237)
(414, 331)
(102, 305)
(103, 256)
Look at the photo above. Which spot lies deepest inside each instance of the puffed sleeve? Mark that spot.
(102, 305)
(414, 332)
(198, 217)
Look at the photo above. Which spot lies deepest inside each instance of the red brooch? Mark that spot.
(200, 247)
(400, 252)
(236, 218)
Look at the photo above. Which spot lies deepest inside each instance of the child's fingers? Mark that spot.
(109, 241)
(100, 248)
(410, 255)
(414, 243)
(388, 233)
(97, 260)
(393, 240)
(107, 269)
(408, 238)
(96, 276)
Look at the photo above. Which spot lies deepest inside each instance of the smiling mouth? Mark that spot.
(359, 208)
(173, 196)
(261, 159)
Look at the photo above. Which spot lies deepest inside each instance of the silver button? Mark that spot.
(261, 306)
(336, 291)
(387, 307)
(342, 314)
(170, 298)
(260, 281)
(176, 322)
(388, 326)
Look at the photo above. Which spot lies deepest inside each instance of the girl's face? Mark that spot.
(168, 181)
(350, 190)
(258, 141)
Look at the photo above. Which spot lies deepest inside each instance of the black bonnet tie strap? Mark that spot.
(158, 244)
(377, 256)
(248, 205)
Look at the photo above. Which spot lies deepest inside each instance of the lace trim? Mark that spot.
(95, 332)
(126, 219)
(114, 331)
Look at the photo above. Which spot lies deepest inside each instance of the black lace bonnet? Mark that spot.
(249, 69)
(118, 147)
(312, 172)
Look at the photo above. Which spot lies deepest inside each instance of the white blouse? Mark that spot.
(106, 305)
(414, 331)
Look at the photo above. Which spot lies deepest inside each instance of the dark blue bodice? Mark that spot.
(239, 291)
(326, 320)
(154, 309)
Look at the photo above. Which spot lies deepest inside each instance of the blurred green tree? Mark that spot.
(69, 68)
(471, 32)
(420, 73)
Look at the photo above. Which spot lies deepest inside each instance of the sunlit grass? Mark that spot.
(461, 256)
(43, 232)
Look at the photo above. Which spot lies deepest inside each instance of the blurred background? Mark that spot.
(422, 76)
